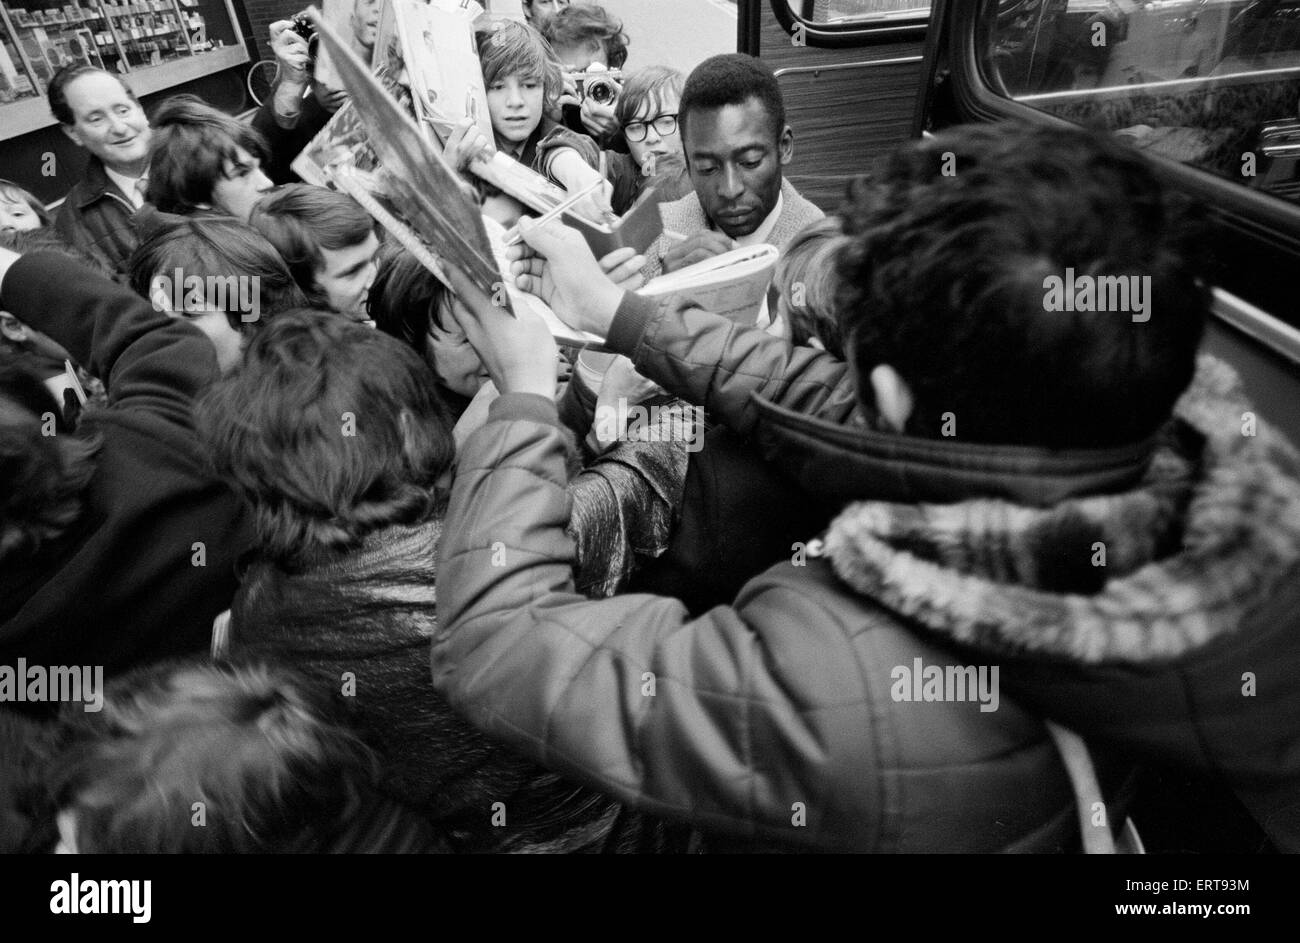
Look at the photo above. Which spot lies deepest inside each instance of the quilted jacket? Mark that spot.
(778, 719)
(1183, 650)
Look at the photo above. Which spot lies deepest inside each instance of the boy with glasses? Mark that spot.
(647, 112)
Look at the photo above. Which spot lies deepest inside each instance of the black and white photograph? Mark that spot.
(654, 428)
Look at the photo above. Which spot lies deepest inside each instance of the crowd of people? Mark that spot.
(362, 571)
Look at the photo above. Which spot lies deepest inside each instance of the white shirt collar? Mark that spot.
(127, 185)
(761, 234)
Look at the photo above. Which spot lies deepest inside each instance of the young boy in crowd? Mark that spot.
(1004, 447)
(523, 84)
(218, 274)
(647, 113)
(204, 161)
(585, 37)
(20, 211)
(328, 241)
(804, 285)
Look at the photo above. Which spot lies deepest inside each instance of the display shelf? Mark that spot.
(154, 44)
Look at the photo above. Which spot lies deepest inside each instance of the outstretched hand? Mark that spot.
(555, 263)
(519, 352)
(292, 52)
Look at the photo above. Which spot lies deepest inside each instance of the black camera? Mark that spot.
(302, 26)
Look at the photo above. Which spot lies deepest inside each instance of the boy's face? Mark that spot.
(736, 164)
(456, 364)
(240, 185)
(346, 277)
(515, 104)
(17, 217)
(655, 148)
(208, 318)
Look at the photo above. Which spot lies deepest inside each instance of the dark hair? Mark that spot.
(42, 475)
(644, 86)
(261, 751)
(583, 23)
(404, 297)
(507, 48)
(300, 220)
(732, 79)
(12, 193)
(188, 151)
(216, 248)
(58, 90)
(944, 277)
(330, 430)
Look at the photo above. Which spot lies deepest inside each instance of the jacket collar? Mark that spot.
(96, 185)
(842, 463)
(1151, 573)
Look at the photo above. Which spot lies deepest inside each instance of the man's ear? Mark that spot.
(785, 145)
(73, 135)
(893, 396)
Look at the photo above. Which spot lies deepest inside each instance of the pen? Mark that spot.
(514, 237)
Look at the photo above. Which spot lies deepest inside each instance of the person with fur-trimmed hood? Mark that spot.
(1044, 491)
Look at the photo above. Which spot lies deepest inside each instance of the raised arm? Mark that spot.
(696, 719)
(704, 358)
(109, 329)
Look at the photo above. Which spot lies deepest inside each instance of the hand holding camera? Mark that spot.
(293, 42)
(595, 91)
(596, 84)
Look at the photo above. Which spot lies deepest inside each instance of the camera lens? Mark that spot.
(601, 91)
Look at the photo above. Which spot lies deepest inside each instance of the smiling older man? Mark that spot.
(97, 111)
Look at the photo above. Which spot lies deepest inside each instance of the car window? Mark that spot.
(857, 11)
(1214, 84)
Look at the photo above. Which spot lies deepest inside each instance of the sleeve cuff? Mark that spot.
(526, 406)
(630, 320)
